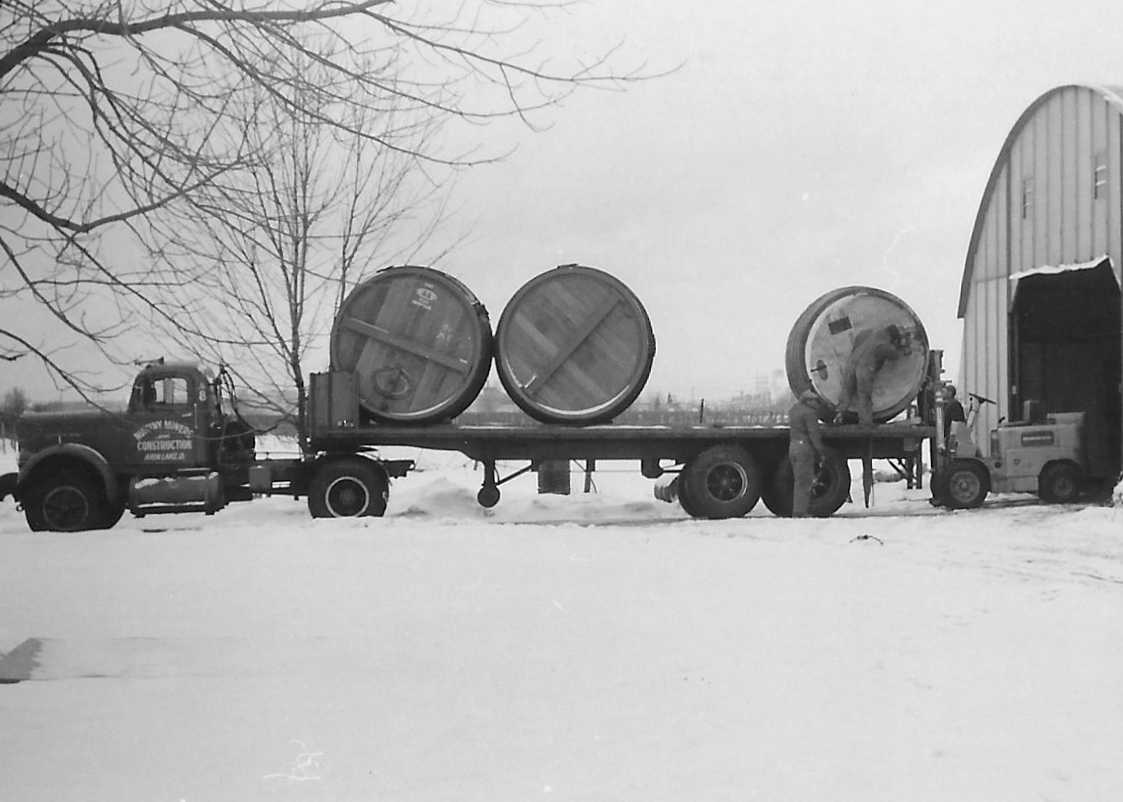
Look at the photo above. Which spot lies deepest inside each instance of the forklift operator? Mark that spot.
(953, 410)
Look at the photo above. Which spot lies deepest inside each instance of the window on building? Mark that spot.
(1099, 175)
(1027, 197)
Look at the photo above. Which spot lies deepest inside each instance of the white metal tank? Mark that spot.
(837, 327)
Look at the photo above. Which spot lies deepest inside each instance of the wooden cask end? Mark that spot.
(418, 342)
(574, 345)
(825, 335)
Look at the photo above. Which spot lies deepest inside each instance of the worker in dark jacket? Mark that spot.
(953, 410)
(804, 449)
(872, 350)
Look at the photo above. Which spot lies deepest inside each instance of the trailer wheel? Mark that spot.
(1059, 483)
(828, 493)
(682, 493)
(721, 482)
(965, 484)
(69, 502)
(673, 491)
(348, 488)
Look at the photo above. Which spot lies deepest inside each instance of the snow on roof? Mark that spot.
(1055, 269)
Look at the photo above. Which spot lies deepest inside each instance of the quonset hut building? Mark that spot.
(1040, 298)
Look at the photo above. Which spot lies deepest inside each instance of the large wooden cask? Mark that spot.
(825, 336)
(418, 342)
(574, 345)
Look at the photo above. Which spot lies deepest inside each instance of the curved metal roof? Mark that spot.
(1112, 94)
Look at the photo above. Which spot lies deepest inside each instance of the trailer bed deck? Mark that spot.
(620, 441)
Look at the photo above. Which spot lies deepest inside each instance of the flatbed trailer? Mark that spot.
(722, 470)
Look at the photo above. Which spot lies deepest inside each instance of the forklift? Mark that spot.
(1043, 454)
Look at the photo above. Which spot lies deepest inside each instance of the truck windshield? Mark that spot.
(160, 393)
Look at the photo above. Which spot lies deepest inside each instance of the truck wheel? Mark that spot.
(69, 502)
(965, 485)
(828, 493)
(111, 514)
(347, 489)
(721, 482)
(1059, 483)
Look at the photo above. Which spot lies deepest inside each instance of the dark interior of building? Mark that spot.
(1065, 352)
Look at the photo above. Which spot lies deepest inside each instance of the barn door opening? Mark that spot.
(1065, 343)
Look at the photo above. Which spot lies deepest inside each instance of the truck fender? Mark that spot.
(8, 484)
(75, 451)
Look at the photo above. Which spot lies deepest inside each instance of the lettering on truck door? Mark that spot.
(166, 435)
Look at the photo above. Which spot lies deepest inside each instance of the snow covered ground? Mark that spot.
(600, 648)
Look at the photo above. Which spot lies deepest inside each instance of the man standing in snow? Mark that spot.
(872, 349)
(804, 449)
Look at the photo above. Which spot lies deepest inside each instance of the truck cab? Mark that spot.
(173, 418)
(171, 449)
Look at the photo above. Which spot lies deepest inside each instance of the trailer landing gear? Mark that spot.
(488, 496)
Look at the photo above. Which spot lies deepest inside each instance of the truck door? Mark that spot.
(167, 414)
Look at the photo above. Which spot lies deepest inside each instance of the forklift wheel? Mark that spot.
(965, 485)
(1059, 483)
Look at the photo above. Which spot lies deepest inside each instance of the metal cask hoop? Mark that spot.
(418, 341)
(574, 345)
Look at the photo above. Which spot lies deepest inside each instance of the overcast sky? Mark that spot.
(801, 147)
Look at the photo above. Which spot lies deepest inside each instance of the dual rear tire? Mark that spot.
(727, 482)
(829, 491)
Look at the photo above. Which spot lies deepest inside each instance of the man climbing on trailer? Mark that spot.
(804, 449)
(872, 350)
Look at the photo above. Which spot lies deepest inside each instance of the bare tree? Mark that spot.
(114, 110)
(14, 404)
(275, 247)
(12, 407)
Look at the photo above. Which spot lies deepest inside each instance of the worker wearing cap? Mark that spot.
(872, 350)
(804, 449)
